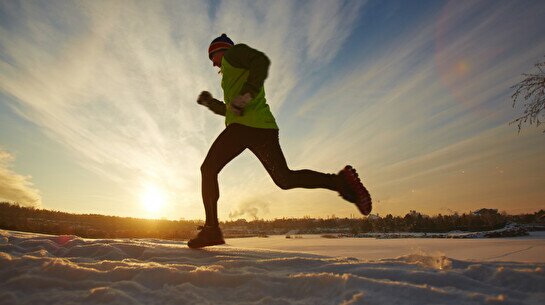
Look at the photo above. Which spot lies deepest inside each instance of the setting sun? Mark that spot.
(153, 198)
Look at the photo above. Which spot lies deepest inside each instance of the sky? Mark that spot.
(98, 109)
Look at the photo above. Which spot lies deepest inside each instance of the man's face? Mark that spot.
(216, 58)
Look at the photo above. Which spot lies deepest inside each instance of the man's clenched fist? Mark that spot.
(205, 98)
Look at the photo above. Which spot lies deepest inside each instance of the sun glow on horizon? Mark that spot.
(153, 198)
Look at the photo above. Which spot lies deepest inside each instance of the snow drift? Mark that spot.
(43, 269)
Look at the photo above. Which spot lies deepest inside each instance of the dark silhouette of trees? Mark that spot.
(532, 90)
(19, 218)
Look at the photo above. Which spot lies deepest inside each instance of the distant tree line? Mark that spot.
(411, 222)
(28, 219)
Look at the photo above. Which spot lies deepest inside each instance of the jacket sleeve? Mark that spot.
(217, 107)
(256, 62)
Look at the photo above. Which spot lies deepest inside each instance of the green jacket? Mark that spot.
(244, 70)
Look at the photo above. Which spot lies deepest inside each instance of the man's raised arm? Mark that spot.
(216, 106)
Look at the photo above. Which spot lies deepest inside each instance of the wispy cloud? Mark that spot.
(116, 81)
(117, 85)
(15, 187)
(299, 37)
(436, 96)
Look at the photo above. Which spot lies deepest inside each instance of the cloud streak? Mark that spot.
(15, 187)
(434, 97)
(116, 81)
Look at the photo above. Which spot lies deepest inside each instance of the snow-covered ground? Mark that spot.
(41, 269)
(519, 249)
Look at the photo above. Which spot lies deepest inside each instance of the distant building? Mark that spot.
(373, 217)
(483, 212)
(541, 219)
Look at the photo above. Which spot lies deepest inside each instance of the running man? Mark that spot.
(251, 125)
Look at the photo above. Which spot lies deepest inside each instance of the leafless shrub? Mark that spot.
(532, 90)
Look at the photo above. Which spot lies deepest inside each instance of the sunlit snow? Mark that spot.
(43, 269)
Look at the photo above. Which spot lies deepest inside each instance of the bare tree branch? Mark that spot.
(532, 90)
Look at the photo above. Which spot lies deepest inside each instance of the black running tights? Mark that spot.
(265, 145)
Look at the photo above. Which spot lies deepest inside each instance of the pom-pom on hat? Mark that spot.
(221, 43)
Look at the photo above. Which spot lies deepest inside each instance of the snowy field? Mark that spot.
(519, 249)
(42, 269)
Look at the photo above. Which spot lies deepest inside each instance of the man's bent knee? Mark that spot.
(283, 182)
